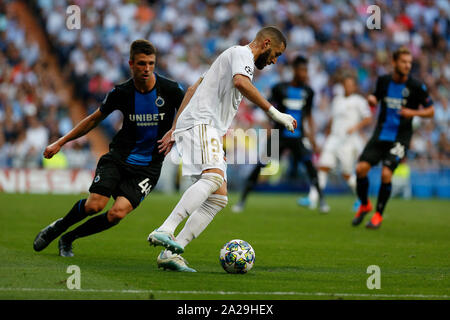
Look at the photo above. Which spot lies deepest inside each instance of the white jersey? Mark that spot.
(346, 112)
(216, 100)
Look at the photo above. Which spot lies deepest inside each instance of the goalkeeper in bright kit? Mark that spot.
(204, 117)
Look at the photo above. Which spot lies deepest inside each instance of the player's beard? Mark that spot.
(401, 73)
(261, 61)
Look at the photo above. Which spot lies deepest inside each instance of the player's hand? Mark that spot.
(285, 119)
(407, 113)
(351, 130)
(372, 100)
(316, 149)
(166, 142)
(51, 150)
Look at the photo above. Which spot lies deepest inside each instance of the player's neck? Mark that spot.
(145, 86)
(254, 48)
(399, 78)
(297, 83)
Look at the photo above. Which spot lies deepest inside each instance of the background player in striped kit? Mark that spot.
(400, 97)
(131, 168)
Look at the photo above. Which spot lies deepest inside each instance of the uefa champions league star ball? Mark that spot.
(237, 256)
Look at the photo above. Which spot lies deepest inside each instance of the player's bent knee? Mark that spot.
(93, 207)
(95, 203)
(386, 175)
(362, 168)
(115, 215)
(222, 190)
(213, 179)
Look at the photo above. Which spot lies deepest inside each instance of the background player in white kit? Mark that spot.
(350, 113)
(204, 117)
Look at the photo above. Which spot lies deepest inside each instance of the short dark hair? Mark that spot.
(272, 32)
(141, 46)
(402, 50)
(350, 76)
(299, 60)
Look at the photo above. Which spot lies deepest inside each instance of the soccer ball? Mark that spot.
(237, 256)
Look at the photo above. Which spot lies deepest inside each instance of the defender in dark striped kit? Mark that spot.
(400, 97)
(131, 168)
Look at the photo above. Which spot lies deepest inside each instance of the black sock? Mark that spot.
(362, 189)
(312, 174)
(383, 196)
(76, 214)
(94, 225)
(251, 182)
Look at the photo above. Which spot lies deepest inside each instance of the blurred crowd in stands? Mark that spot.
(189, 34)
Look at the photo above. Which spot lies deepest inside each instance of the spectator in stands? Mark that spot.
(191, 33)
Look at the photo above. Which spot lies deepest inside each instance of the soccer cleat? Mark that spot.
(46, 236)
(356, 205)
(306, 202)
(375, 222)
(362, 211)
(65, 248)
(174, 262)
(324, 207)
(238, 207)
(165, 239)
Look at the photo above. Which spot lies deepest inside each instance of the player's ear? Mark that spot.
(130, 63)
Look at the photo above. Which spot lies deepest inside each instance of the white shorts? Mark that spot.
(200, 148)
(345, 153)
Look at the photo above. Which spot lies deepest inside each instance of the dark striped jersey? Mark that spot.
(296, 101)
(392, 97)
(146, 118)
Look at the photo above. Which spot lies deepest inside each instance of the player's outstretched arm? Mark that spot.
(245, 86)
(372, 100)
(167, 141)
(360, 125)
(85, 125)
(311, 133)
(423, 113)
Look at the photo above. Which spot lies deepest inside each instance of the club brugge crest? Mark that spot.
(405, 92)
(97, 179)
(159, 102)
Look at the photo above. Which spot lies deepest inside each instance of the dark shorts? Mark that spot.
(389, 153)
(298, 150)
(116, 178)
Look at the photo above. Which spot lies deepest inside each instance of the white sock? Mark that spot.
(201, 218)
(323, 179)
(313, 194)
(192, 199)
(352, 183)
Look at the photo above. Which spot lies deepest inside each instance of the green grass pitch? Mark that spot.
(300, 254)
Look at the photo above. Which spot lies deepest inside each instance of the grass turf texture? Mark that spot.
(309, 255)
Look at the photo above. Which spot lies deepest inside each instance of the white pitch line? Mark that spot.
(276, 293)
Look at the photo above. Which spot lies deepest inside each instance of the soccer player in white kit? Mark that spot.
(204, 117)
(350, 113)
